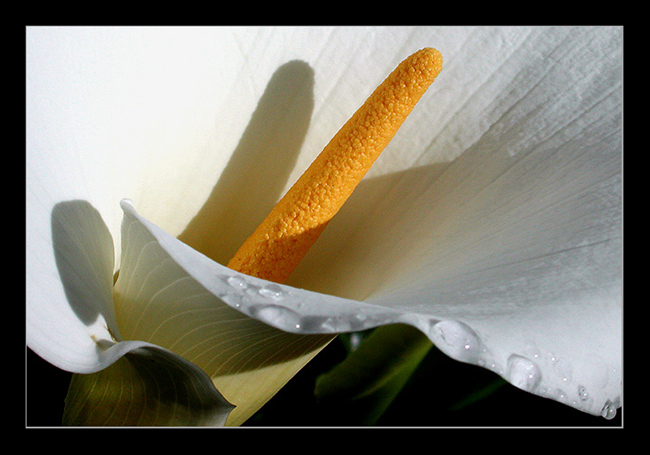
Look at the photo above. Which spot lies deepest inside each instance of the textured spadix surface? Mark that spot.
(492, 222)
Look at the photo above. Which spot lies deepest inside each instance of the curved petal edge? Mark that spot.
(305, 312)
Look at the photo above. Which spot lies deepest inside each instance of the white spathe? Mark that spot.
(492, 221)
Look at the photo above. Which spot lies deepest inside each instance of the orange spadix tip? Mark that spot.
(279, 243)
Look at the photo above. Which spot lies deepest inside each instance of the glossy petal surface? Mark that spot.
(492, 222)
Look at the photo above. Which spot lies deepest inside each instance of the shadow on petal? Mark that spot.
(259, 167)
(356, 253)
(83, 250)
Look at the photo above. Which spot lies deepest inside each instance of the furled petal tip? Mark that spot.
(75, 328)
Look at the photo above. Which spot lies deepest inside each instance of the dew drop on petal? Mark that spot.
(457, 340)
(523, 373)
(582, 393)
(333, 324)
(609, 410)
(237, 282)
(277, 316)
(272, 291)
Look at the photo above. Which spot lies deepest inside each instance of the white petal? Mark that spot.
(176, 103)
(69, 287)
(274, 304)
(517, 242)
(508, 257)
(98, 98)
(533, 106)
(73, 326)
(170, 295)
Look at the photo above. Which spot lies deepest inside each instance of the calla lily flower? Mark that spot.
(491, 223)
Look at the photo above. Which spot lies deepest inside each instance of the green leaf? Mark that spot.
(477, 395)
(147, 386)
(368, 380)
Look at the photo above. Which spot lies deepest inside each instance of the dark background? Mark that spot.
(442, 392)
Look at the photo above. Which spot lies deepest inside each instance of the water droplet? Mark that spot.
(232, 298)
(313, 324)
(457, 340)
(272, 291)
(277, 316)
(237, 282)
(333, 324)
(609, 410)
(523, 373)
(582, 393)
(252, 290)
